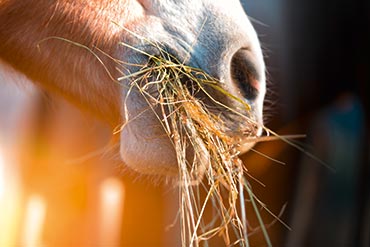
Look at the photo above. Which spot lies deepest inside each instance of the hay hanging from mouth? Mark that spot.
(214, 165)
(207, 156)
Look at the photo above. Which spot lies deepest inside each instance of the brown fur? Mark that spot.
(76, 74)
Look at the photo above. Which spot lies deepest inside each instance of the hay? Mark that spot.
(207, 156)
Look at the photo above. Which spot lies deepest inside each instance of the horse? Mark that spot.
(71, 47)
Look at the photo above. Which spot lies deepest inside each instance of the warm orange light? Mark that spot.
(34, 221)
(9, 202)
(112, 198)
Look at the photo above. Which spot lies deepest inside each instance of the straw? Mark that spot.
(207, 155)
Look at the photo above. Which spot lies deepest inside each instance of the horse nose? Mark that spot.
(240, 71)
(244, 75)
(233, 56)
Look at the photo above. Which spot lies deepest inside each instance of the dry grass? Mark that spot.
(207, 156)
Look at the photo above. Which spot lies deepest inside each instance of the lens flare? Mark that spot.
(112, 198)
(34, 221)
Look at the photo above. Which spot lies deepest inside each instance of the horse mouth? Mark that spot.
(194, 112)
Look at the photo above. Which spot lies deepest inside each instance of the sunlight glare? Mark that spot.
(34, 221)
(112, 197)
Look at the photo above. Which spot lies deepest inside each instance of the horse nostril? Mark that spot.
(244, 74)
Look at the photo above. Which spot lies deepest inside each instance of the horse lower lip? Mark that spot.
(246, 146)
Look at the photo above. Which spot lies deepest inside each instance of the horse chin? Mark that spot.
(146, 148)
(156, 156)
(149, 158)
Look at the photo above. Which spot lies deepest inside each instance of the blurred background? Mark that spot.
(318, 59)
(60, 185)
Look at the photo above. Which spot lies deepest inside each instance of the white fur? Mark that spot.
(205, 34)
